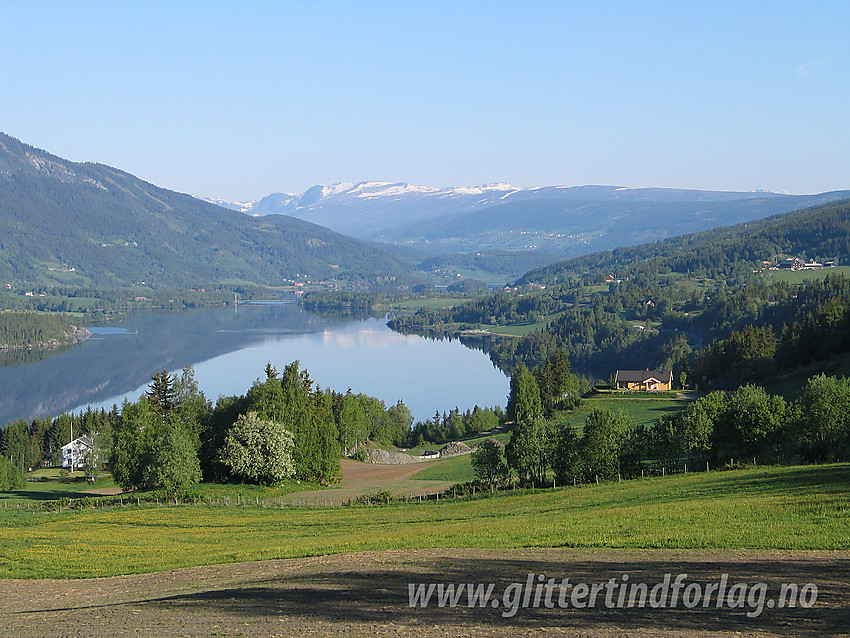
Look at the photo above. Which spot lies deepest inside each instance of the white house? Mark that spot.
(76, 451)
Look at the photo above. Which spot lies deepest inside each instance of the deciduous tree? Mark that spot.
(258, 450)
(174, 462)
(488, 461)
(524, 403)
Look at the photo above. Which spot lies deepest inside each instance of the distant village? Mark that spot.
(795, 263)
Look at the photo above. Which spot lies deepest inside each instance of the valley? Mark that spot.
(568, 462)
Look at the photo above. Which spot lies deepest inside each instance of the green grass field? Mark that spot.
(799, 276)
(457, 470)
(792, 508)
(517, 330)
(52, 484)
(645, 410)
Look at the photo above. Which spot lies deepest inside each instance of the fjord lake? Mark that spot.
(229, 349)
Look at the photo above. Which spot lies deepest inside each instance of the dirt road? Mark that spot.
(366, 594)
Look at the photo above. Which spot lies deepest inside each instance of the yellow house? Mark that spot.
(644, 380)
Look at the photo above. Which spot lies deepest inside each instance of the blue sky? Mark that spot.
(237, 100)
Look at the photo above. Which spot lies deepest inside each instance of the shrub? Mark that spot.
(10, 476)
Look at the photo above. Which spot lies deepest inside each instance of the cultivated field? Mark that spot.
(366, 594)
(329, 570)
(365, 478)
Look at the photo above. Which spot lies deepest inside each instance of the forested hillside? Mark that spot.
(663, 302)
(91, 225)
(821, 232)
(26, 329)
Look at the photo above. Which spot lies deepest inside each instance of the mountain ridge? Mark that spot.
(566, 220)
(89, 224)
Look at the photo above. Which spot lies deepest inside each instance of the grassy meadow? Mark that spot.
(792, 508)
(52, 484)
(457, 470)
(644, 409)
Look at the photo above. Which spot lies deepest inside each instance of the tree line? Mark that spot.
(719, 429)
(284, 426)
(173, 436)
(31, 444)
(807, 325)
(752, 329)
(24, 329)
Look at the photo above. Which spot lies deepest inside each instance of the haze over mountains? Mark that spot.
(554, 219)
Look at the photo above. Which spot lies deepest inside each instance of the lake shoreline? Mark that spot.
(75, 336)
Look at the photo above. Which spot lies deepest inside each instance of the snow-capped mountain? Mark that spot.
(371, 209)
(366, 208)
(556, 219)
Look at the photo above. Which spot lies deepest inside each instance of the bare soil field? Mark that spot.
(366, 594)
(367, 478)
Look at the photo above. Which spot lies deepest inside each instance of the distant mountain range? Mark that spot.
(87, 224)
(553, 219)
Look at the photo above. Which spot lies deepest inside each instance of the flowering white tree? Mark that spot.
(258, 450)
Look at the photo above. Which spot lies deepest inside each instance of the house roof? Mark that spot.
(642, 376)
(83, 441)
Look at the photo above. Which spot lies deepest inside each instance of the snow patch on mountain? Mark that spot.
(242, 207)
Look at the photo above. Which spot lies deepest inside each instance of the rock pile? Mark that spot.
(385, 457)
(455, 448)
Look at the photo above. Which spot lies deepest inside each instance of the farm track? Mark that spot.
(367, 478)
(366, 594)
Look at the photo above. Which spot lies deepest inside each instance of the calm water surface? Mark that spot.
(229, 349)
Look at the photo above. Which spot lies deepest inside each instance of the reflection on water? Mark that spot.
(230, 349)
(19, 356)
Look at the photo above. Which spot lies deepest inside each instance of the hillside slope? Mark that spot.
(581, 226)
(89, 224)
(821, 232)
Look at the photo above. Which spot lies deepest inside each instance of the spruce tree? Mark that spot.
(161, 394)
